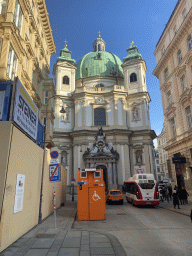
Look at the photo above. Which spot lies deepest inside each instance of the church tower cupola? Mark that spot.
(99, 44)
(65, 55)
(132, 53)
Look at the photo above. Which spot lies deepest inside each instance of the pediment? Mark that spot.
(180, 70)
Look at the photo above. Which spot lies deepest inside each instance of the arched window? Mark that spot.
(133, 77)
(99, 116)
(99, 85)
(99, 47)
(65, 80)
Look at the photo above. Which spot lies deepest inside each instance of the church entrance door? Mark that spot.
(105, 176)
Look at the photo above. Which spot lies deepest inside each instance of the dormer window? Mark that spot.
(65, 80)
(99, 85)
(133, 78)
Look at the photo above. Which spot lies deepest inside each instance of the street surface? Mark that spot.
(145, 231)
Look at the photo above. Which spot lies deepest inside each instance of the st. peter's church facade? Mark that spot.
(107, 123)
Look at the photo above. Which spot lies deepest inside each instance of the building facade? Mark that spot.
(163, 154)
(174, 71)
(26, 45)
(157, 165)
(106, 124)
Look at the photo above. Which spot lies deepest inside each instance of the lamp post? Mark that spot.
(44, 136)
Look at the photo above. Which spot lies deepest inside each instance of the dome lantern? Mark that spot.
(99, 44)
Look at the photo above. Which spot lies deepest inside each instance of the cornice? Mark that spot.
(183, 29)
(171, 109)
(46, 25)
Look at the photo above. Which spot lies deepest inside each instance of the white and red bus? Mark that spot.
(141, 189)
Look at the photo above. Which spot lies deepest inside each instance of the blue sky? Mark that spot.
(78, 21)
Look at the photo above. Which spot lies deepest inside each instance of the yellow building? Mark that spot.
(26, 45)
(174, 70)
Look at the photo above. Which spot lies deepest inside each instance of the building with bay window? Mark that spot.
(174, 70)
(106, 124)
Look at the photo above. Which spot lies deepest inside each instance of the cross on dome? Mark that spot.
(99, 34)
(65, 43)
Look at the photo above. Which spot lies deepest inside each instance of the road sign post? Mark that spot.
(54, 176)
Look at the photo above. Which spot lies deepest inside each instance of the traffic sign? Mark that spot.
(54, 161)
(54, 172)
(54, 154)
(73, 180)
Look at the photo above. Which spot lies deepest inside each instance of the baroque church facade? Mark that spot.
(107, 123)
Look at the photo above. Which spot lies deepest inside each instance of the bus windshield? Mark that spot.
(146, 185)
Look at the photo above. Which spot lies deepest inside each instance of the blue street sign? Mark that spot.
(52, 168)
(54, 154)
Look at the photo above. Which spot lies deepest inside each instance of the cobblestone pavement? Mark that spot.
(64, 240)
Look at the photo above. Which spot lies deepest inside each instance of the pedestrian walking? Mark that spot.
(175, 199)
(180, 195)
(184, 195)
(170, 191)
(160, 193)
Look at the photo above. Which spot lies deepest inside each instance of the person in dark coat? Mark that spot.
(184, 195)
(175, 199)
(191, 215)
(180, 195)
(170, 191)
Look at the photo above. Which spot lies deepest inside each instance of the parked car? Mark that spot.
(114, 196)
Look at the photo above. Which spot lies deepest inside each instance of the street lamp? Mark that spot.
(44, 136)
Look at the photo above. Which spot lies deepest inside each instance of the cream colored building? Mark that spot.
(26, 45)
(174, 71)
(163, 154)
(106, 124)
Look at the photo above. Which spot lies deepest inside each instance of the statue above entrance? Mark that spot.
(101, 147)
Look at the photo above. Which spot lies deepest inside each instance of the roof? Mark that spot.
(132, 53)
(99, 64)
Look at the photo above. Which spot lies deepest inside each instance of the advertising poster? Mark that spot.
(25, 111)
(19, 193)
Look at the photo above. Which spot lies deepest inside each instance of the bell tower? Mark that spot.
(134, 68)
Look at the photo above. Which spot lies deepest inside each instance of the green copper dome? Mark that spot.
(99, 64)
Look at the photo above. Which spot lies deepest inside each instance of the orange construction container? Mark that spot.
(91, 194)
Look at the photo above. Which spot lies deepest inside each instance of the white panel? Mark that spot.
(88, 114)
(79, 114)
(120, 113)
(110, 114)
(79, 160)
(123, 162)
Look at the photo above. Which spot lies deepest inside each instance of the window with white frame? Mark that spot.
(188, 115)
(169, 98)
(12, 64)
(18, 15)
(166, 74)
(183, 84)
(173, 128)
(46, 96)
(179, 56)
(189, 42)
(3, 6)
